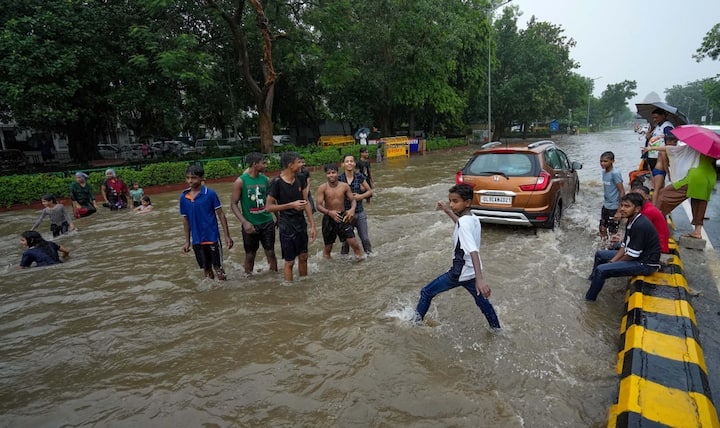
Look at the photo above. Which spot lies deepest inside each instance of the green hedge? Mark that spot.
(26, 189)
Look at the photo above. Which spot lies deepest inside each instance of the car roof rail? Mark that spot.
(491, 144)
(540, 143)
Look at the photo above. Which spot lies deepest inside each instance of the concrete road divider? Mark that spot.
(663, 376)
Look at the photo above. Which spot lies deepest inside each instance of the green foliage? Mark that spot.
(444, 143)
(222, 168)
(710, 46)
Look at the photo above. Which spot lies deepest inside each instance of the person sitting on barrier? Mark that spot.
(639, 253)
(657, 159)
(655, 216)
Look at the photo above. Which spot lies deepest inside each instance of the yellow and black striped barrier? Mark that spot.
(663, 376)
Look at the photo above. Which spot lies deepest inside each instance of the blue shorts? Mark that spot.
(656, 171)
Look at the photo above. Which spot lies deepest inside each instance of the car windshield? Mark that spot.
(508, 164)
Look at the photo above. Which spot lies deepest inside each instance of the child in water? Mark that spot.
(145, 205)
(466, 270)
(60, 221)
(39, 251)
(136, 193)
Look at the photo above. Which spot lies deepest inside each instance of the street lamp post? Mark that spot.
(587, 122)
(489, 74)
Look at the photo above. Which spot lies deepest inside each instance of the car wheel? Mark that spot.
(554, 222)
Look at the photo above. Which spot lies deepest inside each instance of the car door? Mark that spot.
(560, 170)
(564, 173)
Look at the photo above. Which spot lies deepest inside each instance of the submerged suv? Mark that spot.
(521, 184)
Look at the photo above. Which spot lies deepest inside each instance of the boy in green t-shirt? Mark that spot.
(258, 225)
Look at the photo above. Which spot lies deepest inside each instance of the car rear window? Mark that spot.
(510, 164)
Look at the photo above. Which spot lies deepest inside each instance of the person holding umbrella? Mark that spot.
(692, 175)
(656, 159)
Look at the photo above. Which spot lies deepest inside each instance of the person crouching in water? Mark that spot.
(466, 270)
(40, 251)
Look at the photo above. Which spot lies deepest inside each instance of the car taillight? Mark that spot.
(542, 182)
(459, 177)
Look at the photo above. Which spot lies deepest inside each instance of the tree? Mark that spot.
(710, 46)
(691, 99)
(534, 65)
(613, 101)
(60, 60)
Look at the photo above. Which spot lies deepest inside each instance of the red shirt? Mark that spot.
(658, 220)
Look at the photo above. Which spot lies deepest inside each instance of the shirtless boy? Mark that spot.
(337, 221)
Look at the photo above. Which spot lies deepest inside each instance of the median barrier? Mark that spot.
(396, 147)
(663, 376)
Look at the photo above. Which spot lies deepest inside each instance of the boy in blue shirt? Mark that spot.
(613, 190)
(200, 208)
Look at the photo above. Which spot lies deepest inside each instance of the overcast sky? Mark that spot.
(650, 42)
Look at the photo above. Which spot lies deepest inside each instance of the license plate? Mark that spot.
(489, 199)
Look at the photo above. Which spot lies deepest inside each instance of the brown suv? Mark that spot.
(521, 184)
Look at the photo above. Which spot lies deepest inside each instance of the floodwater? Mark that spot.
(128, 333)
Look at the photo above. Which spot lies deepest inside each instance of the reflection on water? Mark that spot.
(128, 332)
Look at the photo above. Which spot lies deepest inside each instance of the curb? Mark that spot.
(663, 376)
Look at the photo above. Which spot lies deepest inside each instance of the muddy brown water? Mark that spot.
(127, 333)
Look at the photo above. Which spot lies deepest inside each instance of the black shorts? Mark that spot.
(208, 255)
(332, 230)
(607, 220)
(59, 229)
(264, 234)
(293, 244)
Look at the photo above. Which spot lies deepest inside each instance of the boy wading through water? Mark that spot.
(288, 196)
(200, 208)
(337, 221)
(466, 270)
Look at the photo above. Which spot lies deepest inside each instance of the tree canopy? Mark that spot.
(164, 67)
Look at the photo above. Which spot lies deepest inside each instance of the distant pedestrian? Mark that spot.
(200, 208)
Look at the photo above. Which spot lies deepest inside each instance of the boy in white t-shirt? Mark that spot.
(466, 269)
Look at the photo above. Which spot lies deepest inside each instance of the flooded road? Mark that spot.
(127, 333)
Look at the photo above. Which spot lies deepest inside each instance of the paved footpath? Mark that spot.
(702, 271)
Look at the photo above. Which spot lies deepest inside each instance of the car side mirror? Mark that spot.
(577, 165)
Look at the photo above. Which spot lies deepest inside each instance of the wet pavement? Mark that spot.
(703, 276)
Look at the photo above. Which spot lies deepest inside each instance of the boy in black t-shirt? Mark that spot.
(288, 196)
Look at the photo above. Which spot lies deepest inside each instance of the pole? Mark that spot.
(489, 74)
